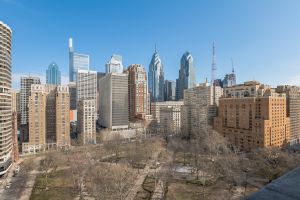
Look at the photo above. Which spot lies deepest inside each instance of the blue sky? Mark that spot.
(261, 36)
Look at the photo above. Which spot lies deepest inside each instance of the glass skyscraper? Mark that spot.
(156, 78)
(76, 62)
(187, 78)
(53, 75)
(114, 65)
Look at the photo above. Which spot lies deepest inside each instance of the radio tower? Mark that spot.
(213, 72)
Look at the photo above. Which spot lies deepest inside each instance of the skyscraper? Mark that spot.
(229, 79)
(114, 65)
(170, 90)
(86, 85)
(187, 78)
(76, 62)
(26, 83)
(113, 101)
(137, 92)
(156, 78)
(53, 76)
(5, 99)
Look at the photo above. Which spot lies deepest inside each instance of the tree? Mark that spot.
(47, 166)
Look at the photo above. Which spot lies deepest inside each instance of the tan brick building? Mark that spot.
(48, 118)
(253, 115)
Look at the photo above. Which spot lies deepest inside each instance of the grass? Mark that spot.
(59, 184)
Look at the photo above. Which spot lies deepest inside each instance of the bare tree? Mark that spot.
(47, 166)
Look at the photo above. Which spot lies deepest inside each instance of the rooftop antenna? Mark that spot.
(232, 66)
(213, 72)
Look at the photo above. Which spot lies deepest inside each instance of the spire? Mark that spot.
(155, 48)
(70, 43)
(232, 66)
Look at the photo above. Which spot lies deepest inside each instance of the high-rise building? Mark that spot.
(26, 83)
(15, 95)
(76, 62)
(99, 76)
(49, 123)
(156, 78)
(113, 101)
(73, 95)
(86, 126)
(86, 85)
(170, 90)
(53, 76)
(170, 119)
(157, 106)
(229, 79)
(137, 92)
(293, 110)
(199, 108)
(114, 65)
(5, 98)
(253, 115)
(187, 77)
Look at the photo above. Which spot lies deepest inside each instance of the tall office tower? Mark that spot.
(293, 110)
(170, 119)
(157, 106)
(86, 85)
(199, 109)
(5, 99)
(113, 101)
(53, 76)
(48, 117)
(26, 83)
(137, 92)
(99, 76)
(229, 79)
(170, 90)
(156, 78)
(73, 95)
(187, 77)
(76, 62)
(253, 115)
(86, 127)
(114, 65)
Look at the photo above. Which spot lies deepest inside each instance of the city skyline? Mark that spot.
(255, 42)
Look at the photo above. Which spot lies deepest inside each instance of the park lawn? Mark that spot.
(59, 184)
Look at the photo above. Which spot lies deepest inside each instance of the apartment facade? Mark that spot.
(86, 125)
(253, 115)
(49, 123)
(170, 119)
(5, 98)
(137, 92)
(157, 106)
(293, 110)
(199, 109)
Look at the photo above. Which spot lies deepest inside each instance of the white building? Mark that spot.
(114, 65)
(86, 126)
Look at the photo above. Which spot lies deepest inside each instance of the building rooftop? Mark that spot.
(286, 187)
